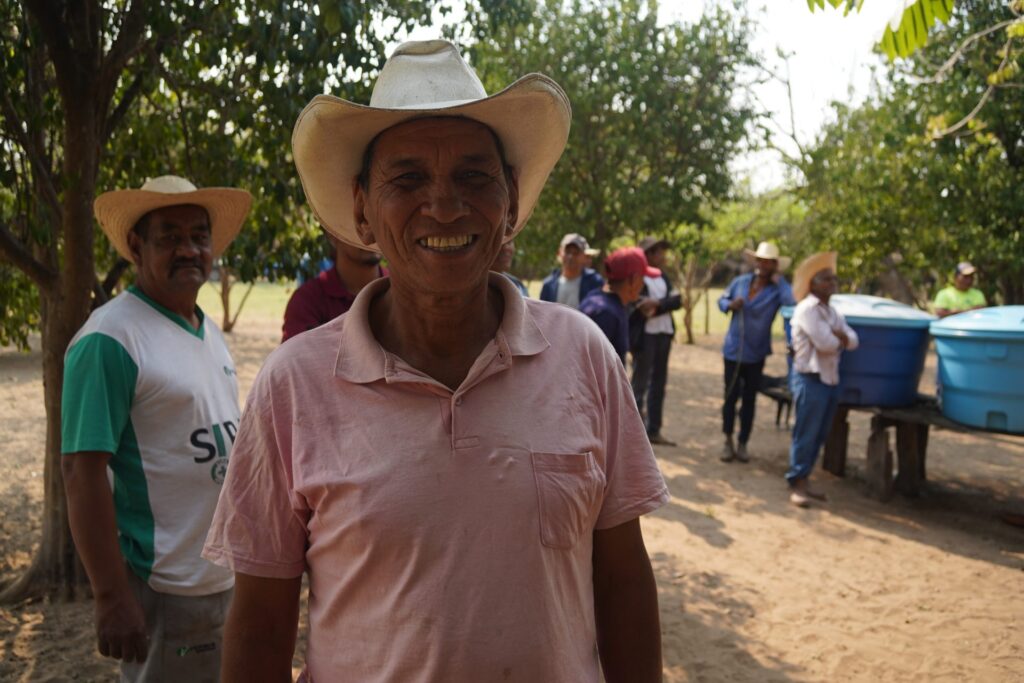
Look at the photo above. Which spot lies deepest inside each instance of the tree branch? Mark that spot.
(127, 44)
(967, 42)
(17, 254)
(48, 16)
(35, 155)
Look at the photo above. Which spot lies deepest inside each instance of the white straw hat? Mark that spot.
(119, 210)
(808, 268)
(768, 250)
(531, 117)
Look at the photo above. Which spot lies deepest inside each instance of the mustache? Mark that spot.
(186, 263)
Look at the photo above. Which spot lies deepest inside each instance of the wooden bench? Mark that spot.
(911, 425)
(777, 389)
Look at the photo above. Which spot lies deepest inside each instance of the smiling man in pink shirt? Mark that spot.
(458, 470)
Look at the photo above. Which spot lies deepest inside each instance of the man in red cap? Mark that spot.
(625, 269)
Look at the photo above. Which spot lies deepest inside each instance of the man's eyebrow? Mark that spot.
(400, 162)
(168, 226)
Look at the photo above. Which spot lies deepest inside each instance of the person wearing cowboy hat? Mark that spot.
(962, 295)
(150, 394)
(459, 469)
(819, 336)
(651, 332)
(753, 299)
(574, 280)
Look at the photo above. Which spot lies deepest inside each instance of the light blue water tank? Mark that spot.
(981, 367)
(886, 367)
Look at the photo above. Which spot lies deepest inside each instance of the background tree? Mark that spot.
(903, 204)
(658, 112)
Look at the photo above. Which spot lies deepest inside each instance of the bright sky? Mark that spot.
(831, 57)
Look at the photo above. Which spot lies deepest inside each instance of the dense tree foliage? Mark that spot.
(894, 197)
(658, 112)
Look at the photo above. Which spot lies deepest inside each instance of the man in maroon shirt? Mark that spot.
(330, 293)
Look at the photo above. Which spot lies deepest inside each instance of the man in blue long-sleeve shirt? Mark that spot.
(754, 299)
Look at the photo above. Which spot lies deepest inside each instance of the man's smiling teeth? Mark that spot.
(448, 243)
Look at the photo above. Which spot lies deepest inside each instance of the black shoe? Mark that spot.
(659, 440)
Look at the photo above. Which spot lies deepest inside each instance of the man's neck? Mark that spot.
(183, 304)
(439, 335)
(354, 275)
(571, 275)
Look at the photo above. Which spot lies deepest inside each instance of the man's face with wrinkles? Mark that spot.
(172, 251)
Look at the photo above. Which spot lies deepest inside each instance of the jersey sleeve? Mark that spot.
(260, 526)
(96, 401)
(634, 482)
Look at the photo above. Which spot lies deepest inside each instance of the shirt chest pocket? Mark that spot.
(569, 495)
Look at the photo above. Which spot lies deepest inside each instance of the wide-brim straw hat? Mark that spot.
(422, 79)
(808, 268)
(768, 250)
(119, 210)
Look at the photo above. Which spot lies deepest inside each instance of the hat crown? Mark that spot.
(169, 184)
(767, 250)
(425, 74)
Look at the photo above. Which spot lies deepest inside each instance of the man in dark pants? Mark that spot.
(652, 330)
(753, 298)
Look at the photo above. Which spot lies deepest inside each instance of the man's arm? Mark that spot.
(626, 606)
(259, 635)
(120, 622)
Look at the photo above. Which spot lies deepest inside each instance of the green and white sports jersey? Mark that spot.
(162, 397)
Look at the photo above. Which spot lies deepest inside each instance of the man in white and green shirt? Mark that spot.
(150, 395)
(961, 295)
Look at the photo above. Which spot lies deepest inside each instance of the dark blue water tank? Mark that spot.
(981, 367)
(886, 368)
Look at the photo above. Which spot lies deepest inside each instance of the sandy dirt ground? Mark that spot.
(751, 588)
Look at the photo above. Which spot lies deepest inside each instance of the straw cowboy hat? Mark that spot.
(768, 250)
(808, 268)
(119, 210)
(426, 78)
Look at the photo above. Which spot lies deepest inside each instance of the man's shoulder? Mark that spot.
(559, 323)
(117, 318)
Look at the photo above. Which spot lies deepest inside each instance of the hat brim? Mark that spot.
(119, 210)
(531, 117)
(808, 268)
(784, 261)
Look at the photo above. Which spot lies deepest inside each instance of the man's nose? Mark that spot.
(444, 202)
(187, 247)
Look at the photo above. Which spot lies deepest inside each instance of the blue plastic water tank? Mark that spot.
(981, 367)
(886, 367)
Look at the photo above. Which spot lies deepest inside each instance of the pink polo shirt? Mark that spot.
(447, 535)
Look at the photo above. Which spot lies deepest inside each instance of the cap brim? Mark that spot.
(652, 272)
(531, 117)
(119, 210)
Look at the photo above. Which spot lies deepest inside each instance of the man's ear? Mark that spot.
(363, 228)
(513, 203)
(135, 246)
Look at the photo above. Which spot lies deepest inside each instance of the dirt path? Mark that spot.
(752, 589)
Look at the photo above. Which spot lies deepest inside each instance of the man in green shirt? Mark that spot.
(962, 295)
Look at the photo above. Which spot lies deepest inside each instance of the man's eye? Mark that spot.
(201, 238)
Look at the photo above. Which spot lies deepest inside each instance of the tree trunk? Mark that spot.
(226, 324)
(56, 572)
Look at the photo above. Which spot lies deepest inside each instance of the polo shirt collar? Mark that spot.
(361, 359)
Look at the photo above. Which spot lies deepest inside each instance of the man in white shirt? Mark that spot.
(570, 284)
(820, 334)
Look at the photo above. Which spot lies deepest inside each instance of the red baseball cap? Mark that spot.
(627, 261)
